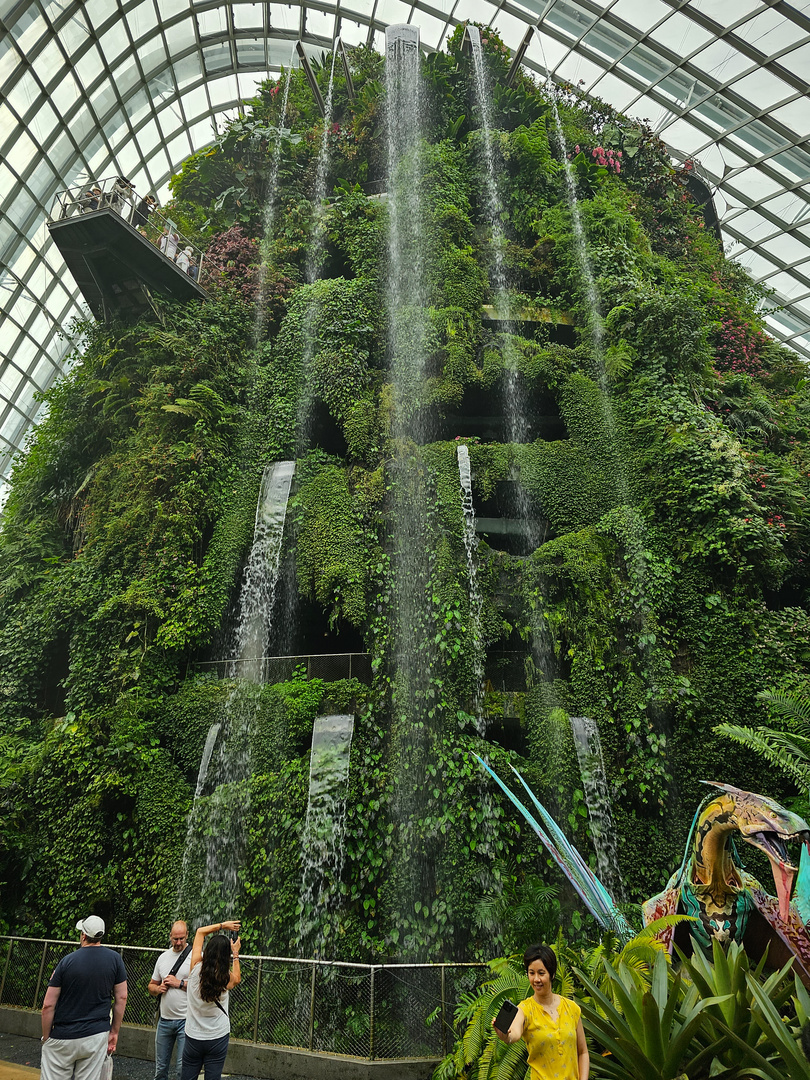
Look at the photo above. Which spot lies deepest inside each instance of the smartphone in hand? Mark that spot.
(506, 1015)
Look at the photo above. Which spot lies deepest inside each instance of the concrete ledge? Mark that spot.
(248, 1058)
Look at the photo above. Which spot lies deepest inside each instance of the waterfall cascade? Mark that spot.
(269, 210)
(324, 828)
(476, 602)
(315, 257)
(215, 834)
(597, 795)
(314, 265)
(515, 405)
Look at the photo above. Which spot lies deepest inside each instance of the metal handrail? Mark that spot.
(80, 199)
(34, 959)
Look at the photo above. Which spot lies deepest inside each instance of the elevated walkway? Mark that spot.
(117, 266)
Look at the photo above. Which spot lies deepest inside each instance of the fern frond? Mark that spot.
(760, 740)
(793, 706)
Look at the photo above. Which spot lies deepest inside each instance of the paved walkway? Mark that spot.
(19, 1060)
(10, 1071)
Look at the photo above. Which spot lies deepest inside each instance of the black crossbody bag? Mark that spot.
(177, 965)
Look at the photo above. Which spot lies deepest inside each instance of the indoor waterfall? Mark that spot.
(314, 264)
(597, 796)
(471, 547)
(322, 841)
(215, 833)
(514, 399)
(269, 209)
(412, 521)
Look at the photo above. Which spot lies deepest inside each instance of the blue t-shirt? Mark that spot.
(86, 977)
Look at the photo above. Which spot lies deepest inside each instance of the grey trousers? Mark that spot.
(74, 1059)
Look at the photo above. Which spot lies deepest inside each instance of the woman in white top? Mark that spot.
(208, 1027)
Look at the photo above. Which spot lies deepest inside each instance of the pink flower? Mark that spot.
(599, 150)
(618, 167)
(602, 161)
(618, 153)
(576, 149)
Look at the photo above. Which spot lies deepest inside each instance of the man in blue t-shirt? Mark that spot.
(77, 1034)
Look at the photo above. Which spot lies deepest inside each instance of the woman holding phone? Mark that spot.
(550, 1025)
(214, 973)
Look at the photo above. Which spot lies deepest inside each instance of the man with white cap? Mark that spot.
(77, 1034)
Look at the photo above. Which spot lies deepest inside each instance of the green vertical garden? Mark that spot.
(667, 468)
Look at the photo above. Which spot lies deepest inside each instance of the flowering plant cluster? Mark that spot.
(607, 158)
(739, 347)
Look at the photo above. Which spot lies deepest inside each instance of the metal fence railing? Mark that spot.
(115, 193)
(369, 1011)
(326, 666)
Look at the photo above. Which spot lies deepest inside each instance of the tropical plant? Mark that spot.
(479, 1054)
(789, 749)
(518, 910)
(647, 1034)
(751, 1014)
(638, 956)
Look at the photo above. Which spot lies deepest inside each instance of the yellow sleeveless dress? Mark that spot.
(552, 1046)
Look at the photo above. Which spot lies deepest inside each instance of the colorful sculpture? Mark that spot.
(725, 902)
(729, 904)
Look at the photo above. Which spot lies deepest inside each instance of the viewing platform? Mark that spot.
(122, 251)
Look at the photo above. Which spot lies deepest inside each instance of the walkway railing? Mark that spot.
(112, 194)
(326, 666)
(504, 671)
(371, 1011)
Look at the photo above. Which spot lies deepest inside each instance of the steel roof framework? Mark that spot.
(90, 87)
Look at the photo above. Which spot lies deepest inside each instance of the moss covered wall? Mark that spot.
(669, 586)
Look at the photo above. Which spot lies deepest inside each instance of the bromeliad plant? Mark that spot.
(749, 1013)
(717, 1020)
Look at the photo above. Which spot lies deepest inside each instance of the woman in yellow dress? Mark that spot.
(550, 1025)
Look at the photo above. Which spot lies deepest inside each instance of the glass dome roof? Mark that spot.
(90, 88)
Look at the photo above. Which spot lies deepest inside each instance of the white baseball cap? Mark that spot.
(92, 927)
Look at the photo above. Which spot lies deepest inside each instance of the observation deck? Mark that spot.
(118, 266)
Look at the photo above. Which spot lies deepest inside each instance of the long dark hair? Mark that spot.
(215, 968)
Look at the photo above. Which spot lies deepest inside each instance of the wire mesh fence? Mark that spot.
(361, 1010)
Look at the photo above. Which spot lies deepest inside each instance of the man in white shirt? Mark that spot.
(168, 985)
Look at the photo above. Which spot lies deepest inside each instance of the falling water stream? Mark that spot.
(514, 404)
(597, 796)
(324, 829)
(215, 838)
(314, 266)
(315, 254)
(270, 205)
(476, 600)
